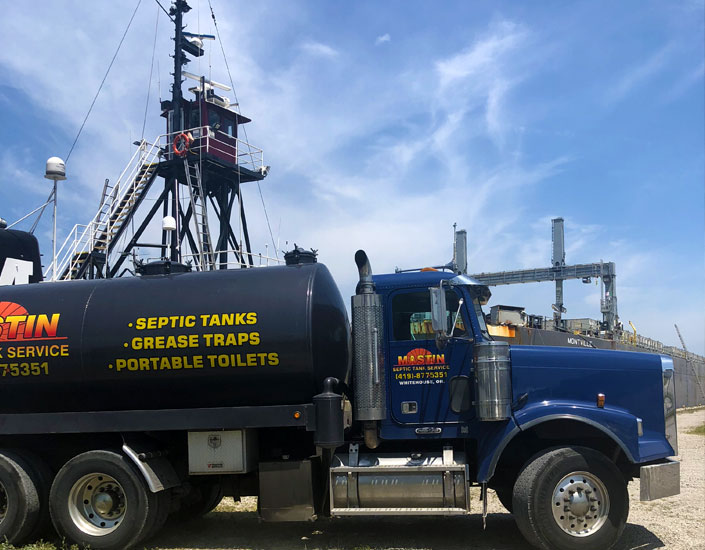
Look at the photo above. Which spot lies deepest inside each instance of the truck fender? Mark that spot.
(156, 470)
(490, 447)
(608, 421)
(618, 424)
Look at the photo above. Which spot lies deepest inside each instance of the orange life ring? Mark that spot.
(181, 144)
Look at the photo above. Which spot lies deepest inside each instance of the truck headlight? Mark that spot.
(669, 401)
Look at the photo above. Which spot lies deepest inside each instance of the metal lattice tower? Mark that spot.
(560, 272)
(203, 164)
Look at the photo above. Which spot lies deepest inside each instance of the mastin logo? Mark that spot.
(16, 324)
(421, 356)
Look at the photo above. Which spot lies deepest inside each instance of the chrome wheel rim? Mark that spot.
(3, 502)
(580, 504)
(97, 504)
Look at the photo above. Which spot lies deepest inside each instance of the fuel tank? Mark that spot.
(262, 336)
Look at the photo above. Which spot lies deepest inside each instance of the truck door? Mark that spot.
(420, 373)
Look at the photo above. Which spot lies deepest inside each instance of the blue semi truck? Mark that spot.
(124, 401)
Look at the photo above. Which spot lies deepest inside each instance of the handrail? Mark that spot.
(206, 140)
(83, 237)
(256, 257)
(101, 220)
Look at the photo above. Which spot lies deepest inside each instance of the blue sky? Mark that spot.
(386, 122)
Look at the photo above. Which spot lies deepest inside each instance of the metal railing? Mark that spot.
(85, 238)
(219, 144)
(82, 239)
(258, 259)
(638, 340)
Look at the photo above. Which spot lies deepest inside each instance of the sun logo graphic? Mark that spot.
(421, 356)
(16, 324)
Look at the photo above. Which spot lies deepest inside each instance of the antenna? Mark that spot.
(201, 36)
(209, 82)
(55, 171)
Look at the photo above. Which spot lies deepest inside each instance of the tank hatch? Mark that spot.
(161, 267)
(299, 256)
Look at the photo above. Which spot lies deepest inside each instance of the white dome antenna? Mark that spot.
(169, 223)
(55, 171)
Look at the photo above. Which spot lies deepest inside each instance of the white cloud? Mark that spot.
(362, 155)
(319, 49)
(639, 74)
(382, 39)
(494, 112)
(482, 76)
(482, 56)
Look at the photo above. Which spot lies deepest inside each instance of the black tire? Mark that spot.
(203, 498)
(159, 516)
(567, 479)
(505, 495)
(99, 499)
(19, 499)
(42, 476)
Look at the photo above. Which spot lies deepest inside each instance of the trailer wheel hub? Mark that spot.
(104, 503)
(580, 504)
(97, 504)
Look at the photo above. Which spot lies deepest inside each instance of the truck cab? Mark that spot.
(556, 432)
(430, 380)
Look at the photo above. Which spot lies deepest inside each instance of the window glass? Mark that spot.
(477, 308)
(194, 119)
(228, 126)
(213, 118)
(411, 312)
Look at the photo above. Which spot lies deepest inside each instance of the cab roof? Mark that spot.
(420, 279)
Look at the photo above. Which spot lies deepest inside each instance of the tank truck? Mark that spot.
(125, 400)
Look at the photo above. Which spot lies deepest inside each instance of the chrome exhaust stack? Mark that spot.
(368, 354)
(493, 381)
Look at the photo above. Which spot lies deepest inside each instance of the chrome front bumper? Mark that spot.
(660, 480)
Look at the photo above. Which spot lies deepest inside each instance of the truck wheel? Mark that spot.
(98, 499)
(19, 499)
(571, 498)
(505, 495)
(42, 476)
(203, 498)
(160, 514)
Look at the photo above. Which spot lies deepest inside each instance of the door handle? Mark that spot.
(428, 431)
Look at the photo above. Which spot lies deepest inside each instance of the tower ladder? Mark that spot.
(200, 215)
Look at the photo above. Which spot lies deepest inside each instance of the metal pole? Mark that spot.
(177, 10)
(180, 6)
(175, 241)
(53, 271)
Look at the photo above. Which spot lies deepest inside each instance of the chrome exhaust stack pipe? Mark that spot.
(364, 269)
(368, 354)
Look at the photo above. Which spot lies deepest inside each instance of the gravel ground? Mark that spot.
(675, 523)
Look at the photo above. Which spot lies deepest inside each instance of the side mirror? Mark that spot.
(439, 316)
(438, 309)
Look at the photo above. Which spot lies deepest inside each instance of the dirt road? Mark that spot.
(675, 523)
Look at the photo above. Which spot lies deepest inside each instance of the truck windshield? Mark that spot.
(476, 308)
